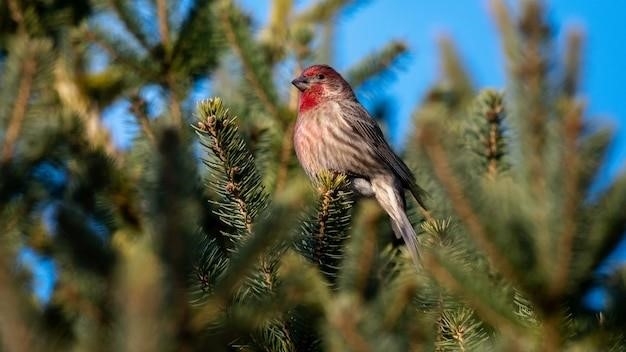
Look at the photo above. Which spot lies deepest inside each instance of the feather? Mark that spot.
(368, 129)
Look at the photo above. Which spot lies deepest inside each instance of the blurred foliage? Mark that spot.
(216, 240)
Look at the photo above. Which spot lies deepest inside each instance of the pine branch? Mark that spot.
(243, 198)
(17, 331)
(198, 43)
(131, 24)
(76, 97)
(454, 73)
(326, 10)
(276, 34)
(377, 65)
(120, 51)
(461, 331)
(532, 94)
(174, 210)
(486, 133)
(163, 19)
(593, 149)
(460, 284)
(256, 72)
(141, 298)
(572, 198)
(26, 72)
(572, 63)
(606, 228)
(138, 109)
(528, 69)
(323, 236)
(443, 170)
(237, 180)
(236, 275)
(361, 256)
(16, 13)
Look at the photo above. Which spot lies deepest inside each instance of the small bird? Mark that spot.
(334, 132)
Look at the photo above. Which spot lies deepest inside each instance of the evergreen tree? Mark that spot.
(204, 234)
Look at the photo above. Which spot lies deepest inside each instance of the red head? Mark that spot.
(320, 83)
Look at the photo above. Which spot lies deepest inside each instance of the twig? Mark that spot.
(137, 107)
(570, 161)
(347, 328)
(249, 72)
(112, 52)
(129, 25)
(287, 141)
(29, 68)
(164, 30)
(175, 107)
(285, 156)
(15, 332)
(16, 13)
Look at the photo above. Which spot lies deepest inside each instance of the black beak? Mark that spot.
(301, 83)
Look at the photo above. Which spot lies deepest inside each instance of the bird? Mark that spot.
(334, 132)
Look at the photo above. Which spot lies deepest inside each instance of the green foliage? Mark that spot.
(323, 236)
(186, 241)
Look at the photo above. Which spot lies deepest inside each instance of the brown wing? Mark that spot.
(367, 128)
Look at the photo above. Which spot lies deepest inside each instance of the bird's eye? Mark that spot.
(320, 76)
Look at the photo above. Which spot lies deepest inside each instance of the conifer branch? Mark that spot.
(528, 67)
(175, 200)
(175, 109)
(441, 165)
(164, 30)
(572, 197)
(141, 299)
(360, 257)
(138, 109)
(572, 63)
(376, 64)
(16, 13)
(531, 72)
(239, 182)
(606, 228)
(236, 281)
(28, 70)
(132, 26)
(344, 317)
(15, 332)
(448, 280)
(324, 10)
(461, 330)
(242, 44)
(72, 93)
(117, 50)
(571, 128)
(323, 237)
(487, 132)
(453, 69)
(276, 33)
(531, 92)
(286, 151)
(198, 44)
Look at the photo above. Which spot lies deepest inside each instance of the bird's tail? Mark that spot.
(403, 229)
(391, 200)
